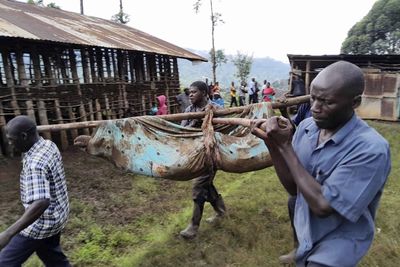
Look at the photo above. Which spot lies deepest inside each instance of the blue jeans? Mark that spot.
(21, 248)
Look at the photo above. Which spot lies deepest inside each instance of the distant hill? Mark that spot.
(267, 68)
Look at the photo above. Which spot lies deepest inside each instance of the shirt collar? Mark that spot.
(312, 129)
(34, 147)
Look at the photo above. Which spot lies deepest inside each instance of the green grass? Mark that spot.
(119, 219)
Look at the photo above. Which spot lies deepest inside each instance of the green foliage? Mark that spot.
(121, 17)
(242, 63)
(220, 57)
(40, 3)
(378, 32)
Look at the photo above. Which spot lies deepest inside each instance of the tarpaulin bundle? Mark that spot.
(152, 146)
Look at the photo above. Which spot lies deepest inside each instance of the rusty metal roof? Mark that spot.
(21, 20)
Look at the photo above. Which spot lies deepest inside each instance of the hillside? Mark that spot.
(262, 68)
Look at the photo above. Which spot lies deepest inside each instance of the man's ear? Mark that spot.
(357, 101)
(24, 136)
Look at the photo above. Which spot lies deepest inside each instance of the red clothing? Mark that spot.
(162, 107)
(268, 94)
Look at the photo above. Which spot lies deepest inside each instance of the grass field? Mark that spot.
(118, 219)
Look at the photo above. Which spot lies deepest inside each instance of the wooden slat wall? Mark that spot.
(66, 84)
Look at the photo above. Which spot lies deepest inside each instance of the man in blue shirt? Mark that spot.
(336, 164)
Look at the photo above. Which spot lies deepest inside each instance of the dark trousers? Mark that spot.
(291, 207)
(253, 98)
(233, 101)
(21, 248)
(242, 100)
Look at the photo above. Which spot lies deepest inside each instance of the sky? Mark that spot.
(262, 28)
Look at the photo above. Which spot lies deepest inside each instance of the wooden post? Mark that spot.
(91, 112)
(63, 134)
(114, 64)
(24, 83)
(108, 110)
(85, 68)
(10, 82)
(143, 103)
(92, 66)
(43, 117)
(131, 66)
(7, 149)
(307, 81)
(72, 118)
(75, 78)
(99, 116)
(99, 63)
(108, 66)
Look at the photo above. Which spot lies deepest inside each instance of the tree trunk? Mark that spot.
(82, 7)
(214, 65)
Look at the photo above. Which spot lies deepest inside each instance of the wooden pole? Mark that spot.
(75, 78)
(10, 81)
(63, 134)
(182, 116)
(85, 67)
(7, 149)
(24, 83)
(43, 117)
(42, 113)
(307, 79)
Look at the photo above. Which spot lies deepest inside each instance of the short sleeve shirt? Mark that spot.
(352, 168)
(43, 177)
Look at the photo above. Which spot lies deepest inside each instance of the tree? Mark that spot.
(243, 64)
(220, 57)
(378, 32)
(215, 18)
(40, 3)
(121, 17)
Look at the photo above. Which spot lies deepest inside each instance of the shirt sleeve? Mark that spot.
(353, 185)
(37, 184)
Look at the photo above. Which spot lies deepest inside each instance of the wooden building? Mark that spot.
(381, 98)
(59, 67)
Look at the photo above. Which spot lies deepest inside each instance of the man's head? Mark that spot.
(335, 93)
(22, 133)
(198, 92)
(186, 91)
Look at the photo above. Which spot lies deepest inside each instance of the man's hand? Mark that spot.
(4, 239)
(275, 131)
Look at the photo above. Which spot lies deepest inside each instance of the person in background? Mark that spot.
(183, 99)
(336, 164)
(242, 93)
(43, 195)
(162, 108)
(233, 95)
(203, 189)
(253, 91)
(217, 99)
(216, 90)
(268, 93)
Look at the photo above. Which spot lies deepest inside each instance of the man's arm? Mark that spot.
(31, 214)
(278, 139)
(280, 166)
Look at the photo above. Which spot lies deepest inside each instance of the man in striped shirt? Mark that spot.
(44, 196)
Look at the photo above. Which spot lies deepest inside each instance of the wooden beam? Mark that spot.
(175, 117)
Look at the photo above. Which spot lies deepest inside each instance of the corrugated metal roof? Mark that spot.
(21, 20)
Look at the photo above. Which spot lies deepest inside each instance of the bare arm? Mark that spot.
(289, 168)
(31, 214)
